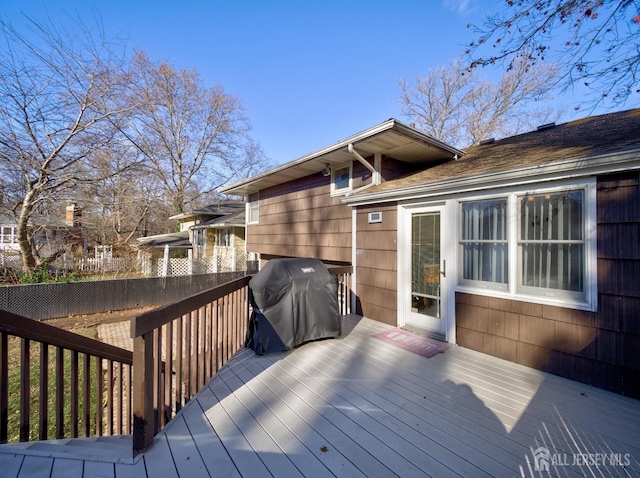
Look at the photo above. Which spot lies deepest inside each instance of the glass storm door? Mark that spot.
(427, 273)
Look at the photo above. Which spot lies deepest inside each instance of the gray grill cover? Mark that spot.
(295, 301)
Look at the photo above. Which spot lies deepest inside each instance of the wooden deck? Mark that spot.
(358, 406)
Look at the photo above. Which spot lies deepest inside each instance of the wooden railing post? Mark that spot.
(143, 413)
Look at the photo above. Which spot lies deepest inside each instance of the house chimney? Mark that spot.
(74, 216)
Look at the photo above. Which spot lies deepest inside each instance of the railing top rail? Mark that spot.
(31, 329)
(341, 270)
(153, 319)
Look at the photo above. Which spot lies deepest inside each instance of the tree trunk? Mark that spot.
(29, 259)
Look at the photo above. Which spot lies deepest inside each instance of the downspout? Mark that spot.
(375, 173)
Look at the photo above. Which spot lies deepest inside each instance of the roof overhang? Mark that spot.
(571, 169)
(391, 138)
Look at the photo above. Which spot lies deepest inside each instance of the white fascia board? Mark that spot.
(572, 168)
(387, 125)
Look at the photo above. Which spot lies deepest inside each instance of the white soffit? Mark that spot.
(391, 138)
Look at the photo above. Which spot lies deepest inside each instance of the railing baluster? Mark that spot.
(99, 394)
(25, 388)
(217, 336)
(201, 348)
(4, 387)
(207, 341)
(120, 409)
(168, 371)
(225, 330)
(179, 354)
(186, 361)
(86, 395)
(193, 357)
(43, 420)
(74, 394)
(128, 410)
(59, 392)
(155, 378)
(110, 429)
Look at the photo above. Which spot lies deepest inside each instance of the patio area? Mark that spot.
(360, 406)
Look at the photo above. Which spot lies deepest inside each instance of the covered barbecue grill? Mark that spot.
(294, 301)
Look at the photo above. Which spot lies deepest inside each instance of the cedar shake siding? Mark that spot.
(599, 348)
(376, 263)
(301, 219)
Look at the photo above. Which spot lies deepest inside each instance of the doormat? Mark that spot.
(415, 343)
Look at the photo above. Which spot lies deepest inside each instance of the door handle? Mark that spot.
(444, 268)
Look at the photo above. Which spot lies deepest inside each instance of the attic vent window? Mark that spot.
(487, 141)
(546, 126)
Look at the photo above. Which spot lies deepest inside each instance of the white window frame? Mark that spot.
(10, 237)
(221, 233)
(479, 283)
(587, 300)
(253, 208)
(335, 191)
(199, 237)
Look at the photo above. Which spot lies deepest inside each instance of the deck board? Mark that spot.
(359, 406)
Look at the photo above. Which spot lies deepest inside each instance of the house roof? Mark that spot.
(224, 207)
(576, 144)
(175, 240)
(391, 138)
(235, 219)
(37, 220)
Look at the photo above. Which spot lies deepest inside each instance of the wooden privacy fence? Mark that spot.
(82, 389)
(178, 348)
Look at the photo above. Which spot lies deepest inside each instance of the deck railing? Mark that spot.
(178, 348)
(344, 287)
(106, 390)
(81, 389)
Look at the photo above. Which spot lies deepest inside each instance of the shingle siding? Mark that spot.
(599, 348)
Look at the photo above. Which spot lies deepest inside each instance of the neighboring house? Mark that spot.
(524, 248)
(215, 235)
(50, 235)
(8, 235)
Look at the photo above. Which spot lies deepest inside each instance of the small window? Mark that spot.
(223, 238)
(7, 235)
(341, 179)
(198, 237)
(253, 209)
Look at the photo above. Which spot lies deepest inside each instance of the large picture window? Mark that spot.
(551, 245)
(531, 245)
(484, 242)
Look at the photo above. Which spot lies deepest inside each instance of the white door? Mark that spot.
(424, 272)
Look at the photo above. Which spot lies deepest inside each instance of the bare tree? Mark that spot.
(125, 204)
(194, 137)
(59, 101)
(597, 43)
(461, 107)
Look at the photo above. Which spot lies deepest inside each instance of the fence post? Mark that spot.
(165, 265)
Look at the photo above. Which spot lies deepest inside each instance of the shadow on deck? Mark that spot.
(359, 406)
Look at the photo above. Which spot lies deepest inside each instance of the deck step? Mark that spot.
(112, 449)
